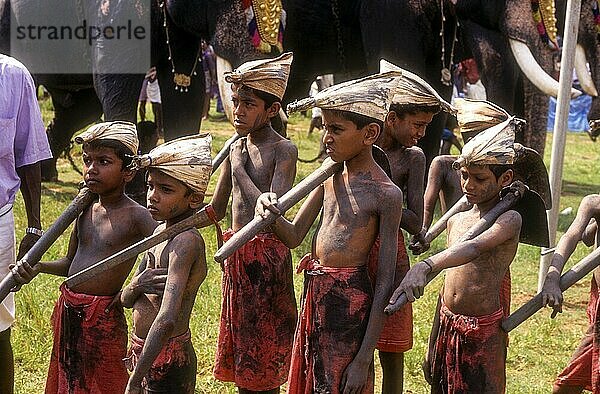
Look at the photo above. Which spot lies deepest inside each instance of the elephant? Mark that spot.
(492, 32)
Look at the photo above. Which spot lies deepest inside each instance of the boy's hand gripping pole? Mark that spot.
(517, 190)
(83, 199)
(288, 200)
(568, 279)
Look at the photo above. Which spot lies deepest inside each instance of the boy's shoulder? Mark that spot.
(591, 202)
(188, 241)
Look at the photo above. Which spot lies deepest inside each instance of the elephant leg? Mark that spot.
(72, 112)
(119, 95)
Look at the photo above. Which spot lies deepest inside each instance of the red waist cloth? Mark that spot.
(396, 336)
(470, 354)
(258, 315)
(333, 322)
(173, 370)
(89, 345)
(583, 368)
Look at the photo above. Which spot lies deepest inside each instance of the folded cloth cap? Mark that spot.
(124, 132)
(369, 96)
(494, 143)
(266, 75)
(414, 90)
(186, 159)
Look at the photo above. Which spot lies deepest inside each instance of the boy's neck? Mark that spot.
(113, 198)
(364, 159)
(261, 134)
(179, 218)
(484, 207)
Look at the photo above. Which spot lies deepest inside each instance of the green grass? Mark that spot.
(538, 349)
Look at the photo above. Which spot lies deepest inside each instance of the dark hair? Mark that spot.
(413, 109)
(499, 169)
(268, 98)
(359, 120)
(122, 152)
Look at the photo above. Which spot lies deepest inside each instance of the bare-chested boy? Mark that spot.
(413, 107)
(583, 369)
(90, 332)
(258, 312)
(162, 294)
(469, 352)
(341, 316)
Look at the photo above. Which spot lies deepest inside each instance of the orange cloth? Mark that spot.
(397, 333)
(583, 368)
(333, 322)
(258, 315)
(89, 345)
(173, 370)
(470, 354)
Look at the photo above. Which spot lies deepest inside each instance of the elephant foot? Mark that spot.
(49, 171)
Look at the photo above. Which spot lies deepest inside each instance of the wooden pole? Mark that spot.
(559, 135)
(198, 219)
(483, 224)
(224, 152)
(83, 199)
(568, 279)
(288, 200)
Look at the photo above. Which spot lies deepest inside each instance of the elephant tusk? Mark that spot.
(224, 66)
(534, 72)
(583, 74)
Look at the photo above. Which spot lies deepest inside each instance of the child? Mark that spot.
(90, 334)
(582, 371)
(161, 354)
(468, 351)
(342, 317)
(258, 313)
(413, 107)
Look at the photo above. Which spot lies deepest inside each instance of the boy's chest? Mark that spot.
(352, 203)
(105, 230)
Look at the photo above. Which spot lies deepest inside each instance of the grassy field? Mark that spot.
(538, 350)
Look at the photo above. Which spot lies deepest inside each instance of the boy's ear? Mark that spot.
(372, 131)
(195, 200)
(273, 110)
(506, 178)
(128, 174)
(390, 118)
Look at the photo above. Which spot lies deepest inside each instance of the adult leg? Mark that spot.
(7, 371)
(566, 389)
(158, 115)
(392, 365)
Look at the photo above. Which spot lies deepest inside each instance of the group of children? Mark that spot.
(357, 258)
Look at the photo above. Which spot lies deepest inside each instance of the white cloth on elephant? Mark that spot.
(186, 159)
(494, 143)
(414, 89)
(266, 75)
(369, 96)
(124, 132)
(7, 257)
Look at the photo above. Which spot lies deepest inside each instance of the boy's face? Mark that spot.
(409, 129)
(479, 184)
(102, 170)
(168, 198)
(249, 111)
(343, 140)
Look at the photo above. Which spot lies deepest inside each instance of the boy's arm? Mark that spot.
(147, 280)
(412, 215)
(589, 235)
(292, 233)
(390, 213)
(551, 293)
(432, 192)
(506, 227)
(183, 251)
(222, 190)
